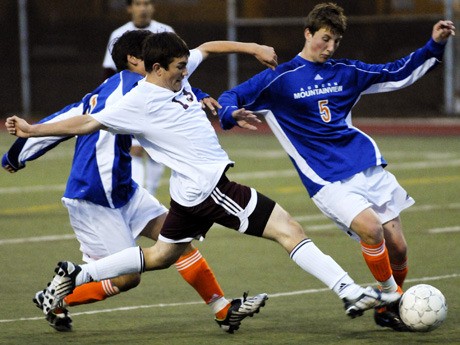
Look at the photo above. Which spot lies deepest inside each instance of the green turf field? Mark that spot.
(35, 234)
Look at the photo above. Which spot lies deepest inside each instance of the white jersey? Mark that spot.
(174, 130)
(154, 27)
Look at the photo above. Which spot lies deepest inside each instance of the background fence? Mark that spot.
(65, 42)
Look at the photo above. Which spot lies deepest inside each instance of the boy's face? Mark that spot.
(322, 45)
(176, 72)
(141, 12)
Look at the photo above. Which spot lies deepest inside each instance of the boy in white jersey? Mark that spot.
(108, 210)
(163, 114)
(307, 103)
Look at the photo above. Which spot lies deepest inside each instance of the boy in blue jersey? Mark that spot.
(107, 209)
(169, 122)
(307, 103)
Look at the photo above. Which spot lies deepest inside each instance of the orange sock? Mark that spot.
(91, 292)
(196, 271)
(400, 271)
(378, 261)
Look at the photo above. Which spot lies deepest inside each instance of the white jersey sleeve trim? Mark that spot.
(290, 149)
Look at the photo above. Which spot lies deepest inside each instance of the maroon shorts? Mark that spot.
(230, 204)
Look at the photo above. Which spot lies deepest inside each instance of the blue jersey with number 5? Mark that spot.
(308, 107)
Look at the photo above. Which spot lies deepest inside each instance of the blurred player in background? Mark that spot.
(141, 12)
(145, 171)
(107, 209)
(170, 123)
(307, 102)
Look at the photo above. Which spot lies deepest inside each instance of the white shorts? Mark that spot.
(102, 231)
(375, 187)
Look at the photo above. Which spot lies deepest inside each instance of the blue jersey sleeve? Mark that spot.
(395, 75)
(244, 96)
(28, 149)
(200, 94)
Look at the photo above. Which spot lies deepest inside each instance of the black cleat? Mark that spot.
(241, 308)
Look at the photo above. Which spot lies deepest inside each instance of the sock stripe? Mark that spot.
(188, 261)
(298, 246)
(373, 251)
(108, 288)
(399, 267)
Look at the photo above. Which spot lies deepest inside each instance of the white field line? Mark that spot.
(302, 219)
(392, 167)
(38, 239)
(270, 295)
(444, 230)
(250, 175)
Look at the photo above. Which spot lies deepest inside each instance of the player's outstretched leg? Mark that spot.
(58, 318)
(370, 298)
(240, 309)
(62, 284)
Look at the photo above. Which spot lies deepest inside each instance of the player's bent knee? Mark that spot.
(162, 255)
(284, 229)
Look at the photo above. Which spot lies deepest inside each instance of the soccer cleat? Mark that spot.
(62, 284)
(388, 316)
(241, 308)
(59, 318)
(369, 299)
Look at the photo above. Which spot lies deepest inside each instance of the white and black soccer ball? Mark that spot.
(423, 308)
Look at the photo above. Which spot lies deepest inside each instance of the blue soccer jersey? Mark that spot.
(308, 107)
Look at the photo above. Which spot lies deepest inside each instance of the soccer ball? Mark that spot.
(423, 308)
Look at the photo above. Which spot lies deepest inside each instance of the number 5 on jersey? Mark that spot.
(324, 110)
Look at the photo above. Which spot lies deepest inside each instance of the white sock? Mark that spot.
(129, 260)
(137, 170)
(312, 260)
(389, 285)
(218, 304)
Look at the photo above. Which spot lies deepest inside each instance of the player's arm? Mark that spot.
(232, 114)
(239, 103)
(78, 125)
(28, 149)
(265, 54)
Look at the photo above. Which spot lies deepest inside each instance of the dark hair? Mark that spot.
(163, 48)
(327, 15)
(130, 43)
(130, 2)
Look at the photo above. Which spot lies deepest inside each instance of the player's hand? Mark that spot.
(266, 56)
(246, 119)
(442, 30)
(211, 104)
(17, 126)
